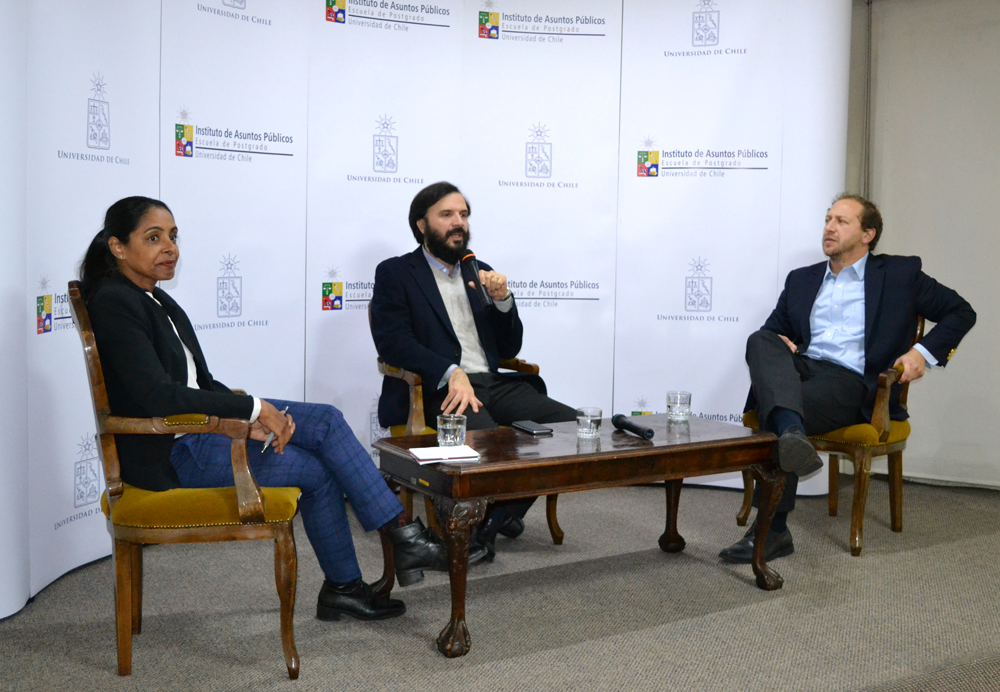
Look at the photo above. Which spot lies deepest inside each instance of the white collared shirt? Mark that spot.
(451, 285)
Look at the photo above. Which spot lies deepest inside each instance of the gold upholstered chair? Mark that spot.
(859, 444)
(416, 425)
(139, 517)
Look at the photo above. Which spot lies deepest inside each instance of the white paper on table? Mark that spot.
(432, 455)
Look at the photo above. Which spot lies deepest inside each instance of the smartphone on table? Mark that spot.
(531, 427)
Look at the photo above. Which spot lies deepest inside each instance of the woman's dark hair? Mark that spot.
(122, 218)
(427, 198)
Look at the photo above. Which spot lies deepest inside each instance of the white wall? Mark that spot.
(936, 170)
(14, 573)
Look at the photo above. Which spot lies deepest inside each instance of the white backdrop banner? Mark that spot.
(644, 172)
(15, 588)
(703, 191)
(93, 74)
(233, 152)
(540, 86)
(382, 126)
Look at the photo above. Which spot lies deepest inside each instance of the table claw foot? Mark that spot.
(767, 578)
(456, 519)
(454, 640)
(671, 544)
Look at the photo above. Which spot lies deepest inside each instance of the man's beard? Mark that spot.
(840, 250)
(440, 248)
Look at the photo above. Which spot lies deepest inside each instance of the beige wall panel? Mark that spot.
(936, 169)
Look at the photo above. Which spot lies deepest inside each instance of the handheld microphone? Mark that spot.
(470, 261)
(625, 423)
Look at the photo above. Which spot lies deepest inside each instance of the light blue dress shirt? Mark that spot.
(837, 320)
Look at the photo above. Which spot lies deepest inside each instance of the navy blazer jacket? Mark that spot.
(896, 293)
(145, 372)
(412, 329)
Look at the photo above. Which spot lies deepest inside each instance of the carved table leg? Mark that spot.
(744, 513)
(772, 485)
(456, 520)
(671, 541)
(553, 519)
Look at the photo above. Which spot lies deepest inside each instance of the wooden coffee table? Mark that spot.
(515, 464)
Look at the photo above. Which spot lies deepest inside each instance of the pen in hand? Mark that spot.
(270, 436)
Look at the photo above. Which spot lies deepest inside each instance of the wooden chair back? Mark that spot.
(98, 392)
(916, 340)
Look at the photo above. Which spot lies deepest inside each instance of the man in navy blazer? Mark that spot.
(427, 316)
(815, 363)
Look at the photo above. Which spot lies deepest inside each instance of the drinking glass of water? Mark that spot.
(451, 430)
(678, 405)
(588, 422)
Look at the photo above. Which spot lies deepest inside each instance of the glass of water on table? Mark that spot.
(678, 405)
(451, 430)
(588, 422)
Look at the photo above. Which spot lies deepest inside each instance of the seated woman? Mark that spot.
(153, 366)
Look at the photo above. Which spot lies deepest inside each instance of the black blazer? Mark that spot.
(896, 293)
(145, 373)
(412, 330)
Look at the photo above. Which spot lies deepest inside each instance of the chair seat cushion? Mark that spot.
(194, 507)
(866, 435)
(862, 434)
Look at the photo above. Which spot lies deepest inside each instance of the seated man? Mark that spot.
(815, 363)
(428, 317)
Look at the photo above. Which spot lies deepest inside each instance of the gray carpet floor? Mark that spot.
(606, 610)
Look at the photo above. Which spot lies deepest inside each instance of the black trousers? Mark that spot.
(505, 400)
(827, 396)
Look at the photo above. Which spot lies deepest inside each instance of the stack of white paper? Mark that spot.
(432, 455)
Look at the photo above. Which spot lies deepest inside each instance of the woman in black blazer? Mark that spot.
(154, 366)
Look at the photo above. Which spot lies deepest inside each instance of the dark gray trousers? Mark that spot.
(827, 396)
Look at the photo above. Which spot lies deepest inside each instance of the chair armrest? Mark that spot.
(184, 423)
(248, 497)
(415, 422)
(880, 414)
(411, 378)
(518, 365)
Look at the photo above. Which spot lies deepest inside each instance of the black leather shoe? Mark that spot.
(356, 599)
(796, 453)
(512, 528)
(777, 545)
(416, 548)
(484, 536)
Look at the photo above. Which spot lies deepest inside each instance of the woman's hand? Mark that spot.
(273, 420)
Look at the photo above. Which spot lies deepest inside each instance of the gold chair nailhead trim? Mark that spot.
(202, 526)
